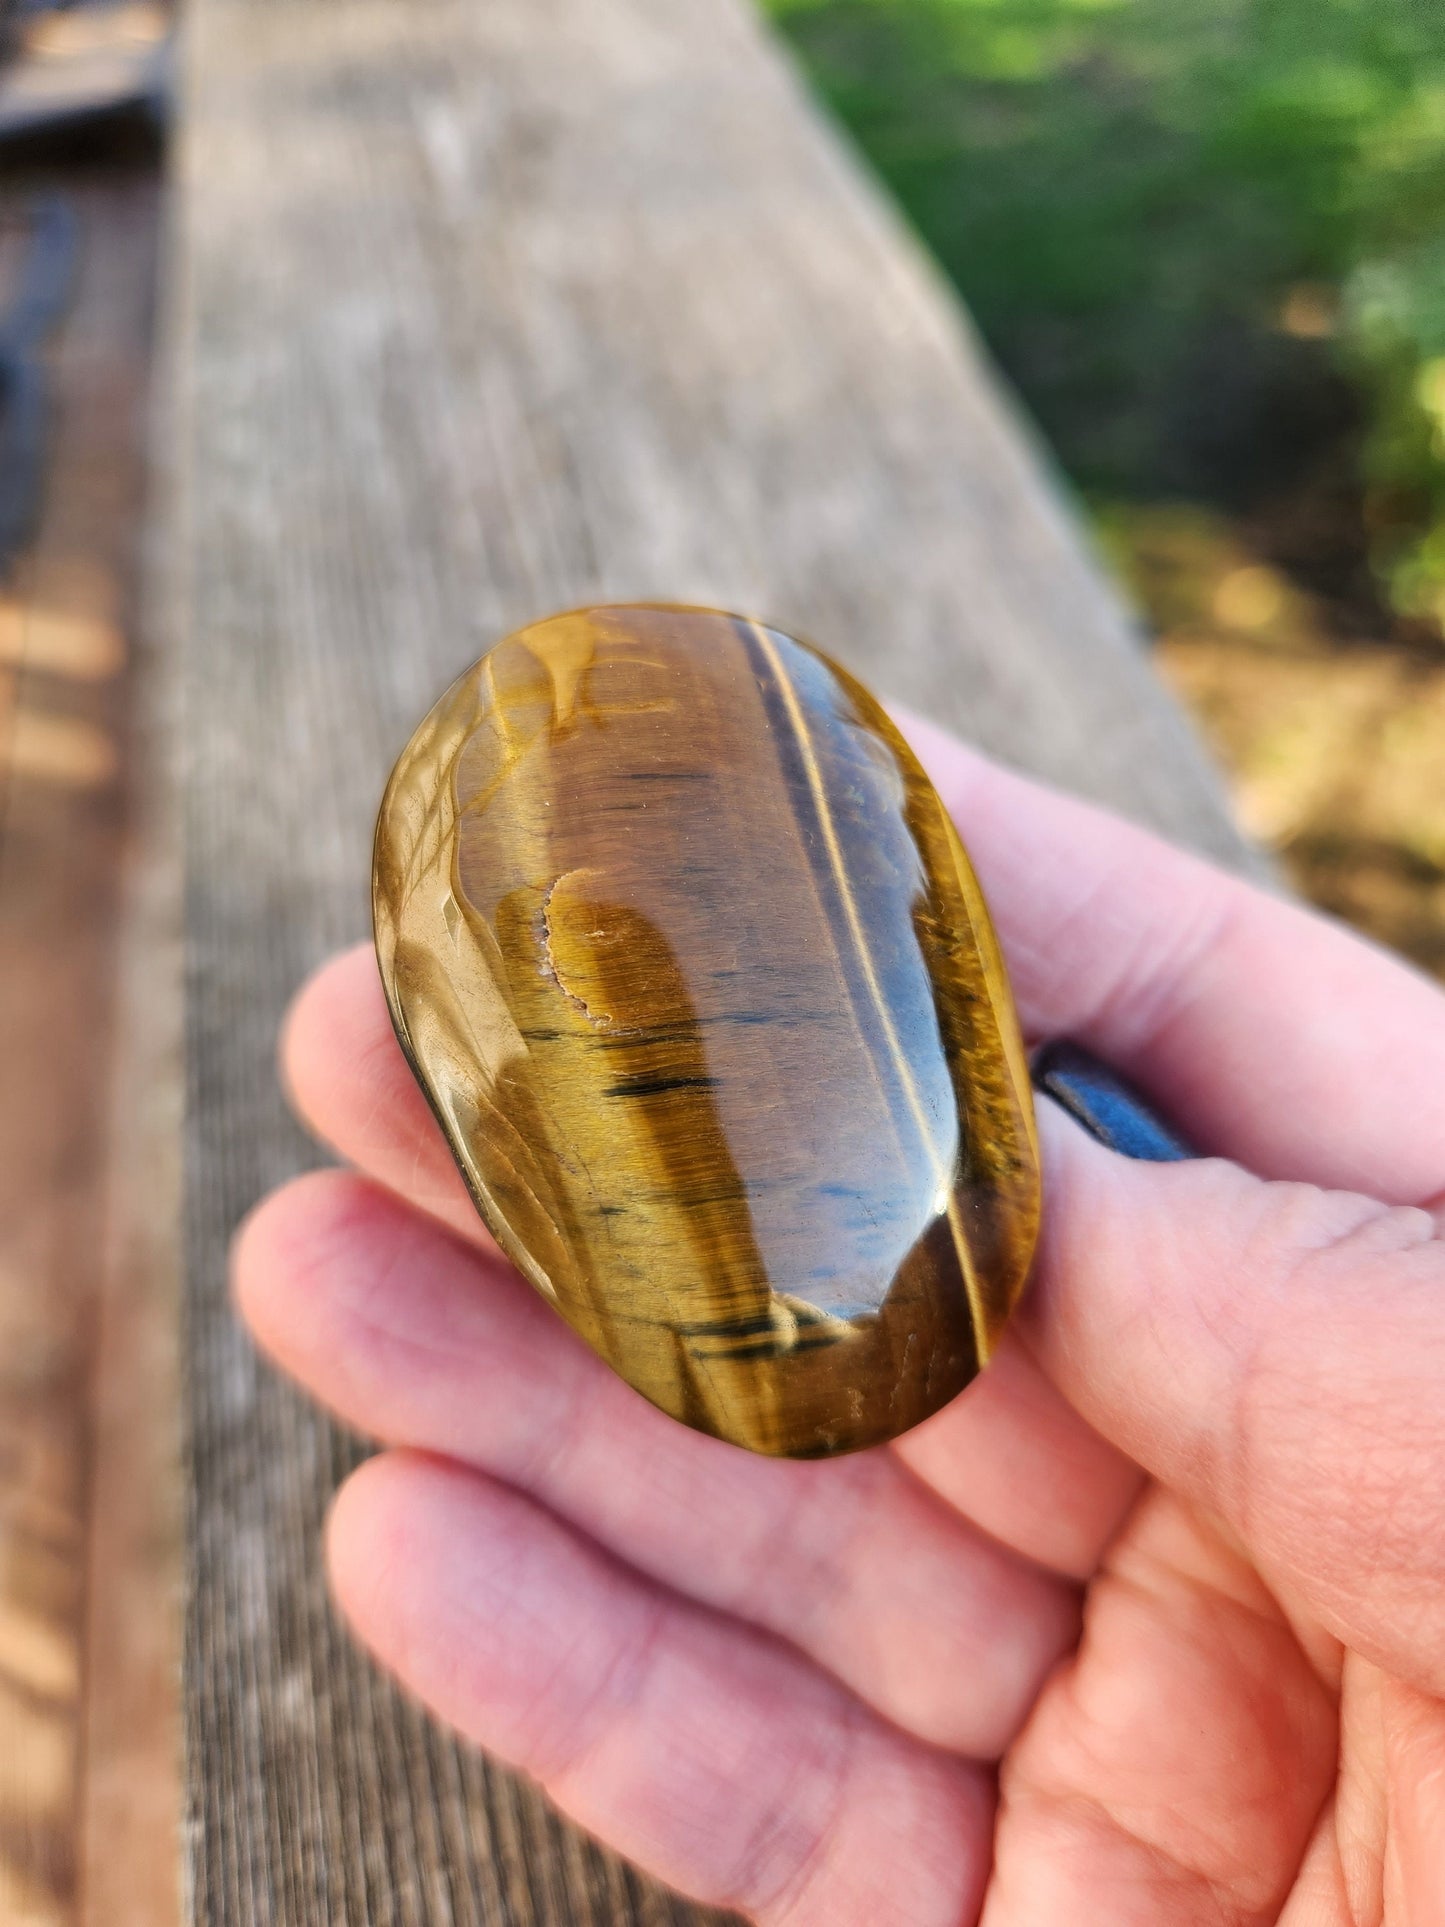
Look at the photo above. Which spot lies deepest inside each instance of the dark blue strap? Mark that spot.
(1109, 1109)
(45, 283)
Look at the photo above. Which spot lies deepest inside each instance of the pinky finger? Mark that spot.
(704, 1751)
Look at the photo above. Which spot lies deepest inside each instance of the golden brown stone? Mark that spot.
(693, 968)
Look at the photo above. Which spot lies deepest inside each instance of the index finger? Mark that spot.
(1270, 1033)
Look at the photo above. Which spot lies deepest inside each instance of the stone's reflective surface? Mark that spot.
(693, 968)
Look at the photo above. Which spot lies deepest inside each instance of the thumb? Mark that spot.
(1276, 1354)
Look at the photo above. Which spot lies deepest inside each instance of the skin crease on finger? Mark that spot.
(711, 1754)
(1209, 1755)
(413, 1337)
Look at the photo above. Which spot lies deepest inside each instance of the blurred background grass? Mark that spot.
(1206, 241)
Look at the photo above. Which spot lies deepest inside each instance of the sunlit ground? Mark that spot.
(1335, 750)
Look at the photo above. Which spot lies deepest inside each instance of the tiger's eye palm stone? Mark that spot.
(693, 968)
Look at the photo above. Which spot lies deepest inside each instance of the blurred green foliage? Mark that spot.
(1206, 238)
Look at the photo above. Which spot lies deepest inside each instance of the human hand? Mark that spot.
(1217, 1430)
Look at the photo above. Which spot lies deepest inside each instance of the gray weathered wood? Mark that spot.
(490, 309)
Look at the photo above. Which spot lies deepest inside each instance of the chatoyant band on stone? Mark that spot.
(689, 960)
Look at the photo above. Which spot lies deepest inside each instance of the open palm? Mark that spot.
(1147, 1627)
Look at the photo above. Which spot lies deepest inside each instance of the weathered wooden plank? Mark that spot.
(128, 1824)
(65, 620)
(493, 309)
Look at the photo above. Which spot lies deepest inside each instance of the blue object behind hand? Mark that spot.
(1108, 1107)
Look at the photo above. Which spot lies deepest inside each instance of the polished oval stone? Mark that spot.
(690, 962)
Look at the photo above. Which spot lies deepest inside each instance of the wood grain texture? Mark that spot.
(68, 1576)
(492, 310)
(128, 1825)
